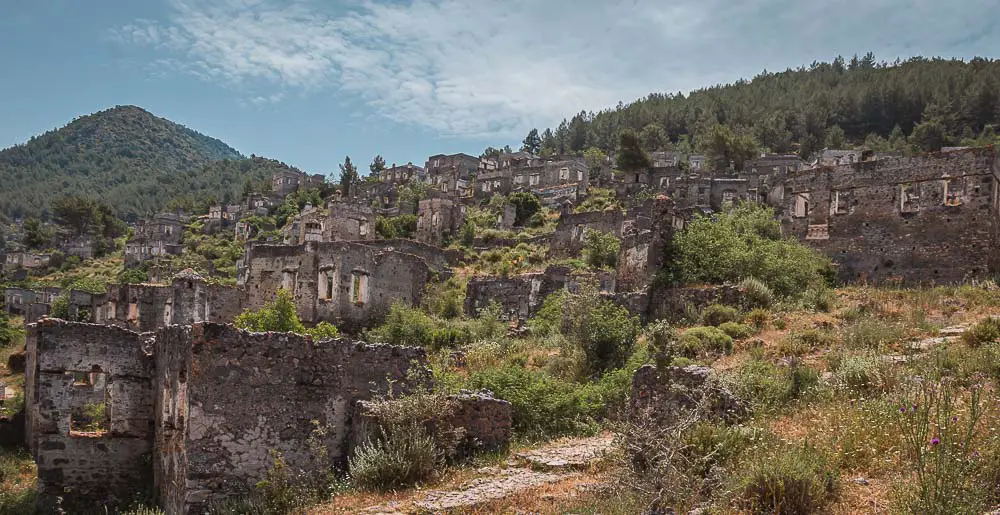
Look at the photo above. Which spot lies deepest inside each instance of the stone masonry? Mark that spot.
(192, 412)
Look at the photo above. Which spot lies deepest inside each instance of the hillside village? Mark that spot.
(466, 292)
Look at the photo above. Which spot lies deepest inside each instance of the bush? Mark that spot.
(402, 226)
(410, 326)
(743, 241)
(768, 386)
(871, 333)
(798, 480)
(718, 314)
(819, 298)
(323, 331)
(8, 333)
(983, 332)
(736, 330)
(601, 249)
(758, 318)
(865, 373)
(756, 294)
(277, 315)
(543, 407)
(698, 340)
(400, 457)
(526, 205)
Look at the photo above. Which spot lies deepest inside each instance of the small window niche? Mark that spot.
(953, 192)
(359, 288)
(801, 209)
(909, 198)
(840, 202)
(91, 416)
(327, 284)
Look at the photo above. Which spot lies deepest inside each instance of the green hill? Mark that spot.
(125, 156)
(918, 104)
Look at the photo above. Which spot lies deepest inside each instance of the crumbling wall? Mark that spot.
(645, 250)
(924, 219)
(675, 304)
(349, 284)
(228, 398)
(71, 369)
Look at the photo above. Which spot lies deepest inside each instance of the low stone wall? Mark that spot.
(673, 304)
(486, 423)
(665, 396)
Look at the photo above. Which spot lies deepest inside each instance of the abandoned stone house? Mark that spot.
(451, 174)
(521, 296)
(403, 174)
(438, 220)
(349, 284)
(158, 236)
(26, 260)
(551, 174)
(338, 221)
(286, 182)
(183, 415)
(931, 218)
(569, 237)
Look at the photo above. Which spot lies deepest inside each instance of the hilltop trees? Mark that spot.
(377, 166)
(348, 176)
(532, 142)
(631, 156)
(843, 103)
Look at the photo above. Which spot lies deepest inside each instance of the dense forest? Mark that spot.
(124, 156)
(921, 104)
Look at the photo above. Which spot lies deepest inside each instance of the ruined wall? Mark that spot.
(71, 368)
(350, 284)
(925, 219)
(228, 397)
(148, 307)
(675, 304)
(522, 296)
(644, 251)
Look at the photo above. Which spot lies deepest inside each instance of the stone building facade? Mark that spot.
(438, 219)
(158, 236)
(451, 174)
(190, 413)
(349, 284)
(924, 219)
(289, 181)
(338, 221)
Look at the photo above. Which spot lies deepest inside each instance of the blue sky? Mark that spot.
(309, 81)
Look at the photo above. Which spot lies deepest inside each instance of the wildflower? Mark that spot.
(954, 418)
(975, 455)
(902, 409)
(935, 440)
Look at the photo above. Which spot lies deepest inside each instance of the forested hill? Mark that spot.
(801, 109)
(125, 156)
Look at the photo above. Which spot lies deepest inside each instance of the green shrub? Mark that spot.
(8, 332)
(819, 298)
(399, 457)
(543, 406)
(662, 338)
(698, 340)
(865, 373)
(402, 226)
(323, 331)
(982, 332)
(736, 330)
(745, 240)
(277, 315)
(869, 332)
(758, 318)
(601, 249)
(768, 386)
(755, 293)
(796, 480)
(718, 314)
(526, 205)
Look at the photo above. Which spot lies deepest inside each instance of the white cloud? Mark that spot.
(495, 68)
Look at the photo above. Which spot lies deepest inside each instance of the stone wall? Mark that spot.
(148, 307)
(227, 398)
(438, 220)
(72, 367)
(675, 303)
(644, 250)
(350, 284)
(925, 219)
(522, 296)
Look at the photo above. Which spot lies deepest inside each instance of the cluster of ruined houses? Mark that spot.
(175, 379)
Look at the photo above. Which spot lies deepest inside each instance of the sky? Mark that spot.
(310, 81)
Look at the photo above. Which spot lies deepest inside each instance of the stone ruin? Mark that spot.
(190, 414)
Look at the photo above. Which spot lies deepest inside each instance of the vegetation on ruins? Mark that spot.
(9, 333)
(745, 241)
(601, 249)
(402, 226)
(279, 315)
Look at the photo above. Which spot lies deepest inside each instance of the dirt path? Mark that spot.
(565, 461)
